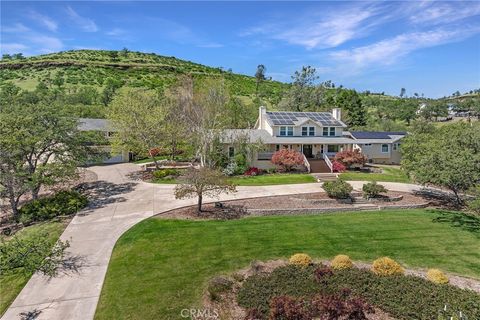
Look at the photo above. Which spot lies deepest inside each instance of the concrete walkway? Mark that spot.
(119, 203)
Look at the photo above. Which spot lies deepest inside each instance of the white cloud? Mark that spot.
(389, 51)
(47, 22)
(434, 13)
(86, 24)
(115, 32)
(46, 44)
(16, 28)
(325, 30)
(12, 48)
(210, 45)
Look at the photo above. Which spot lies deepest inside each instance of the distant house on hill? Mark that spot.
(102, 125)
(317, 135)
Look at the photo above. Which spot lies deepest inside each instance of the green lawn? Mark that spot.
(12, 284)
(389, 174)
(262, 180)
(273, 179)
(161, 266)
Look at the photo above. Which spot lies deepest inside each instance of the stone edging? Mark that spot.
(262, 212)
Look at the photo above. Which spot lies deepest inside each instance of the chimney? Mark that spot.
(337, 114)
(262, 113)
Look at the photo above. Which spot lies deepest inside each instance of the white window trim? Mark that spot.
(330, 132)
(306, 131)
(312, 131)
(323, 131)
(388, 148)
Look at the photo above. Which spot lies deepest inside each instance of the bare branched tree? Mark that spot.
(203, 182)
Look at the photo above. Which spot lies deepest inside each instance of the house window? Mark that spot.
(367, 145)
(311, 131)
(332, 131)
(231, 152)
(286, 131)
(396, 146)
(325, 131)
(304, 131)
(385, 148)
(333, 148)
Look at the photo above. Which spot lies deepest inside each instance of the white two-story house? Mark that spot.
(317, 135)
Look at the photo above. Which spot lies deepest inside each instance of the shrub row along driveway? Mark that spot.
(119, 203)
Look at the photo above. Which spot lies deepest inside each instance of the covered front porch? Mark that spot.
(311, 151)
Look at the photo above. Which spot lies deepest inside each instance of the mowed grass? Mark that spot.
(160, 267)
(261, 180)
(273, 179)
(12, 284)
(389, 174)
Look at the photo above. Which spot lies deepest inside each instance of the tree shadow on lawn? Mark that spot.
(458, 219)
(438, 198)
(101, 193)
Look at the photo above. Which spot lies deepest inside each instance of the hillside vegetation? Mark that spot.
(132, 69)
(86, 81)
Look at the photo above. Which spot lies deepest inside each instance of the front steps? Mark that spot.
(322, 177)
(318, 166)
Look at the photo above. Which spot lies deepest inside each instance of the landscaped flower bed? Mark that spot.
(300, 289)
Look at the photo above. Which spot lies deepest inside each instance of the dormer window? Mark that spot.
(286, 131)
(308, 131)
(329, 131)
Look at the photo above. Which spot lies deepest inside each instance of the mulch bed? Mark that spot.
(295, 201)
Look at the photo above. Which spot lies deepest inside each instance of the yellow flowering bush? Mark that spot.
(341, 261)
(301, 259)
(386, 267)
(437, 276)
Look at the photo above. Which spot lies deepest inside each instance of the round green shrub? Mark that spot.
(338, 189)
(373, 190)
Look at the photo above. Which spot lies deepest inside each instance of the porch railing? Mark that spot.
(264, 156)
(306, 163)
(328, 162)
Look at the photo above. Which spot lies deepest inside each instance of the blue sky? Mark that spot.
(427, 47)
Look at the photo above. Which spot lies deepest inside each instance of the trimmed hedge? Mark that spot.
(61, 204)
(403, 297)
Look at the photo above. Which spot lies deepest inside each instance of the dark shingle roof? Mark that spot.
(289, 118)
(375, 134)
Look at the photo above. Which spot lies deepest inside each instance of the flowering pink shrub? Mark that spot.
(338, 166)
(351, 158)
(252, 171)
(287, 159)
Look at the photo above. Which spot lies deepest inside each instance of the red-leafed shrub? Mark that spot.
(322, 272)
(154, 152)
(287, 159)
(252, 171)
(338, 166)
(351, 158)
(285, 307)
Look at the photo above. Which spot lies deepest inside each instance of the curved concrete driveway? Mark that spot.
(120, 203)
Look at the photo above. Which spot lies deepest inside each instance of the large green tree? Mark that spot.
(354, 110)
(40, 144)
(138, 117)
(447, 157)
(304, 94)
